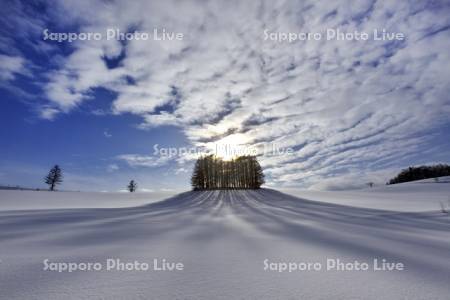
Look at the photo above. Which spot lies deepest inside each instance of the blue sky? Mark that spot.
(351, 111)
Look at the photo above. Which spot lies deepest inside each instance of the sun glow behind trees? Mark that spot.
(212, 172)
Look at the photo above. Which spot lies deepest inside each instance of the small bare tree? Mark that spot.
(132, 186)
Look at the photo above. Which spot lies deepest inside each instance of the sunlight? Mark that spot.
(231, 146)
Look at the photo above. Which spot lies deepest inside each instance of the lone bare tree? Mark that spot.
(54, 177)
(132, 186)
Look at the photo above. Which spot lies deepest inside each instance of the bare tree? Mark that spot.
(132, 186)
(54, 177)
(211, 172)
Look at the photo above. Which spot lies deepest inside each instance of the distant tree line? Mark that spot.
(422, 172)
(211, 172)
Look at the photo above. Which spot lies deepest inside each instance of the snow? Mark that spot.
(223, 238)
(423, 195)
(29, 200)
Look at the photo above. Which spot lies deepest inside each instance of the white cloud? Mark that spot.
(181, 170)
(112, 168)
(343, 105)
(48, 113)
(10, 66)
(135, 160)
(107, 134)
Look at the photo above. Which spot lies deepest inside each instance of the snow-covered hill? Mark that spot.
(225, 239)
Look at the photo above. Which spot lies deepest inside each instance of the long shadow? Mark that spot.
(100, 225)
(366, 232)
(354, 230)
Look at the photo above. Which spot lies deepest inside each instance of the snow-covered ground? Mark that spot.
(423, 195)
(223, 239)
(28, 200)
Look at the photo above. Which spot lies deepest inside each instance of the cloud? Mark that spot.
(10, 66)
(181, 170)
(112, 168)
(346, 107)
(48, 113)
(107, 134)
(135, 160)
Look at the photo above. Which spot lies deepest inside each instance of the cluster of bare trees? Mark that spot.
(211, 172)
